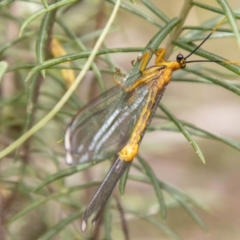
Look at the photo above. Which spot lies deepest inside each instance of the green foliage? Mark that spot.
(41, 197)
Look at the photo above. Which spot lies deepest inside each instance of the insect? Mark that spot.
(114, 123)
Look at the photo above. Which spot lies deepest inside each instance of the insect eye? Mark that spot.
(180, 57)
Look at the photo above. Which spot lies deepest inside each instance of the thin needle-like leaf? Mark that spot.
(156, 10)
(196, 131)
(212, 9)
(67, 95)
(221, 83)
(61, 225)
(169, 232)
(45, 3)
(123, 181)
(75, 56)
(107, 222)
(44, 10)
(5, 2)
(184, 132)
(231, 18)
(81, 47)
(136, 12)
(155, 184)
(42, 38)
(193, 214)
(41, 200)
(64, 173)
(3, 69)
(9, 44)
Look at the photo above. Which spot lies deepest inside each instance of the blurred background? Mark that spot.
(214, 185)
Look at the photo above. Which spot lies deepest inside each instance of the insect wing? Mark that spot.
(85, 125)
(105, 125)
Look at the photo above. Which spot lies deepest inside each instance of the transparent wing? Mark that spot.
(104, 125)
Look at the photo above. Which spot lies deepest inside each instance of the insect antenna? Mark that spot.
(208, 36)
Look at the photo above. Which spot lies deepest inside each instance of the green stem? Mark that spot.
(68, 94)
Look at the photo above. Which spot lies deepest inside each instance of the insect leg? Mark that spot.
(146, 56)
(119, 83)
(159, 56)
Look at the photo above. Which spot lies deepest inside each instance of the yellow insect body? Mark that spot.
(162, 77)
